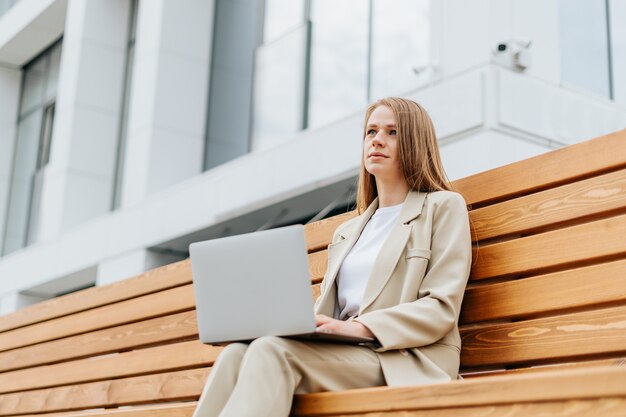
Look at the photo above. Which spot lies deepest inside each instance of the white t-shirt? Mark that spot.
(357, 266)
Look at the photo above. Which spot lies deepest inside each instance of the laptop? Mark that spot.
(256, 284)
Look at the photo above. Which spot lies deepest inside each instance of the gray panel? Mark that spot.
(234, 41)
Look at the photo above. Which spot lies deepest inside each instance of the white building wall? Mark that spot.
(168, 97)
(486, 114)
(78, 180)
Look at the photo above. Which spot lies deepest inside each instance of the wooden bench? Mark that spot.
(543, 321)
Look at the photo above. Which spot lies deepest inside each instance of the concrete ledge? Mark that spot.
(28, 28)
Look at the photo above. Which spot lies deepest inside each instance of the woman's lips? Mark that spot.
(377, 155)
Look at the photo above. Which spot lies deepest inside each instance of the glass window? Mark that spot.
(5, 5)
(400, 46)
(279, 89)
(282, 16)
(351, 52)
(237, 34)
(584, 45)
(617, 15)
(121, 146)
(339, 59)
(32, 149)
(34, 85)
(24, 169)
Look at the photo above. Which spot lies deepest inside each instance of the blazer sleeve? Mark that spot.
(435, 312)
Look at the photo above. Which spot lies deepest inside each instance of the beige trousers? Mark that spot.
(259, 379)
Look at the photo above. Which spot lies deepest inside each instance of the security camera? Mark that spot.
(514, 53)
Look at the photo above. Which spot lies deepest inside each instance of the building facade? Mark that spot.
(131, 128)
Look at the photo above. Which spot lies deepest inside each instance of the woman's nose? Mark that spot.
(378, 140)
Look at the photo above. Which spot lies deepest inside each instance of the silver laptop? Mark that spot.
(256, 284)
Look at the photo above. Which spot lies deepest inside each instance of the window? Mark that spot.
(339, 59)
(5, 5)
(617, 38)
(32, 149)
(121, 147)
(322, 60)
(400, 46)
(593, 47)
(584, 43)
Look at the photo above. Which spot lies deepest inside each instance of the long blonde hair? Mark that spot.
(418, 148)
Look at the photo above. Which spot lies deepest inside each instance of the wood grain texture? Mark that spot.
(585, 286)
(555, 367)
(144, 361)
(318, 263)
(148, 306)
(543, 171)
(557, 338)
(159, 279)
(577, 384)
(172, 386)
(583, 242)
(319, 234)
(125, 337)
(180, 409)
(533, 212)
(605, 407)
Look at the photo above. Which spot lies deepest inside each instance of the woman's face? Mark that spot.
(380, 146)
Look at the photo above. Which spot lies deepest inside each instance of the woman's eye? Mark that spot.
(371, 132)
(392, 132)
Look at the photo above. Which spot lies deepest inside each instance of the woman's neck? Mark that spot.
(391, 195)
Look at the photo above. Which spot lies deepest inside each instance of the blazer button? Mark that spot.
(403, 352)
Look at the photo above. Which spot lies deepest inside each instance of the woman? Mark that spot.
(396, 272)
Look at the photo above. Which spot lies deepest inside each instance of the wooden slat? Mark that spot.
(572, 201)
(554, 367)
(173, 386)
(578, 243)
(597, 284)
(541, 393)
(115, 339)
(604, 407)
(159, 279)
(318, 262)
(549, 386)
(151, 360)
(540, 172)
(183, 409)
(148, 306)
(558, 338)
(319, 234)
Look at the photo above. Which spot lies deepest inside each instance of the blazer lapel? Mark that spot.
(338, 251)
(392, 248)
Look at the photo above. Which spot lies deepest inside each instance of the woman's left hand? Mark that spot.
(354, 328)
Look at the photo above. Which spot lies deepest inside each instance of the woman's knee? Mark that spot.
(268, 346)
(233, 353)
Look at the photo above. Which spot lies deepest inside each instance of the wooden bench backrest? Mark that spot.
(548, 286)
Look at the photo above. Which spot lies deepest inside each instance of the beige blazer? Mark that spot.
(414, 293)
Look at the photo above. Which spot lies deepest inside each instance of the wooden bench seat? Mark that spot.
(543, 320)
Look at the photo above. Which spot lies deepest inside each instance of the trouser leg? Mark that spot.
(221, 381)
(274, 368)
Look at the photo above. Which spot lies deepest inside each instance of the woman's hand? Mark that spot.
(353, 328)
